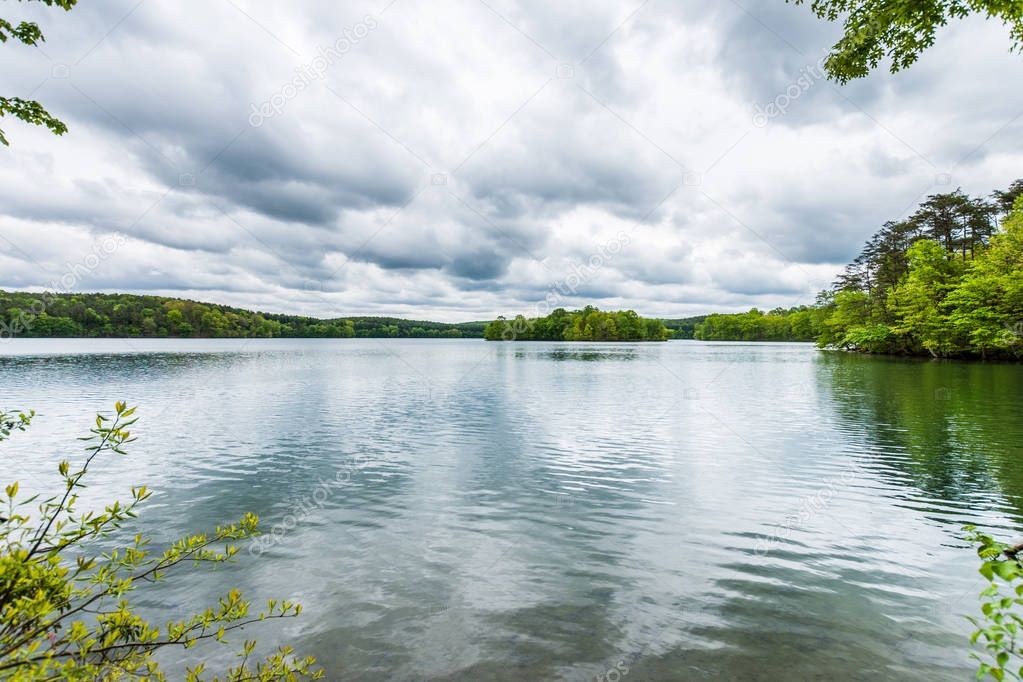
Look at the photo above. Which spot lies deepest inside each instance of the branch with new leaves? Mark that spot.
(66, 611)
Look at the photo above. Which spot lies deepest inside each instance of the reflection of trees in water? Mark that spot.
(961, 424)
(90, 368)
(588, 355)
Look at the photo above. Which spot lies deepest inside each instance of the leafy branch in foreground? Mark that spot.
(14, 421)
(1001, 626)
(65, 612)
(899, 30)
(27, 110)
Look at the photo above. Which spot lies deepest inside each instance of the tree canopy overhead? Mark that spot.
(900, 30)
(27, 110)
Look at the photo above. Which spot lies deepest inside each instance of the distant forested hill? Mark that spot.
(131, 315)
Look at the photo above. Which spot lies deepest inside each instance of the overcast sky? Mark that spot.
(459, 159)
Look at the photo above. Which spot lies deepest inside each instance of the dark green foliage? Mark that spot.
(899, 30)
(28, 32)
(130, 315)
(1004, 201)
(1001, 623)
(588, 324)
(29, 111)
(683, 328)
(11, 421)
(386, 327)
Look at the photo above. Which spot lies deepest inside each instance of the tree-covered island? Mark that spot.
(588, 324)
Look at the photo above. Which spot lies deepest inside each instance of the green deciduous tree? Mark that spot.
(986, 308)
(946, 282)
(920, 296)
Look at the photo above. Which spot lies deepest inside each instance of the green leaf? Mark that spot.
(1007, 570)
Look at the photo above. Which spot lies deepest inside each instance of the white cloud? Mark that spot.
(460, 159)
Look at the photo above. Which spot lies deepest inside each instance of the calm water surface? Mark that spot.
(457, 510)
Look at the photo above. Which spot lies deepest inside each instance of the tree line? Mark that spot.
(131, 315)
(795, 324)
(945, 282)
(588, 324)
(683, 328)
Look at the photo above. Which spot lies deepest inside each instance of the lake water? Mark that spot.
(458, 510)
